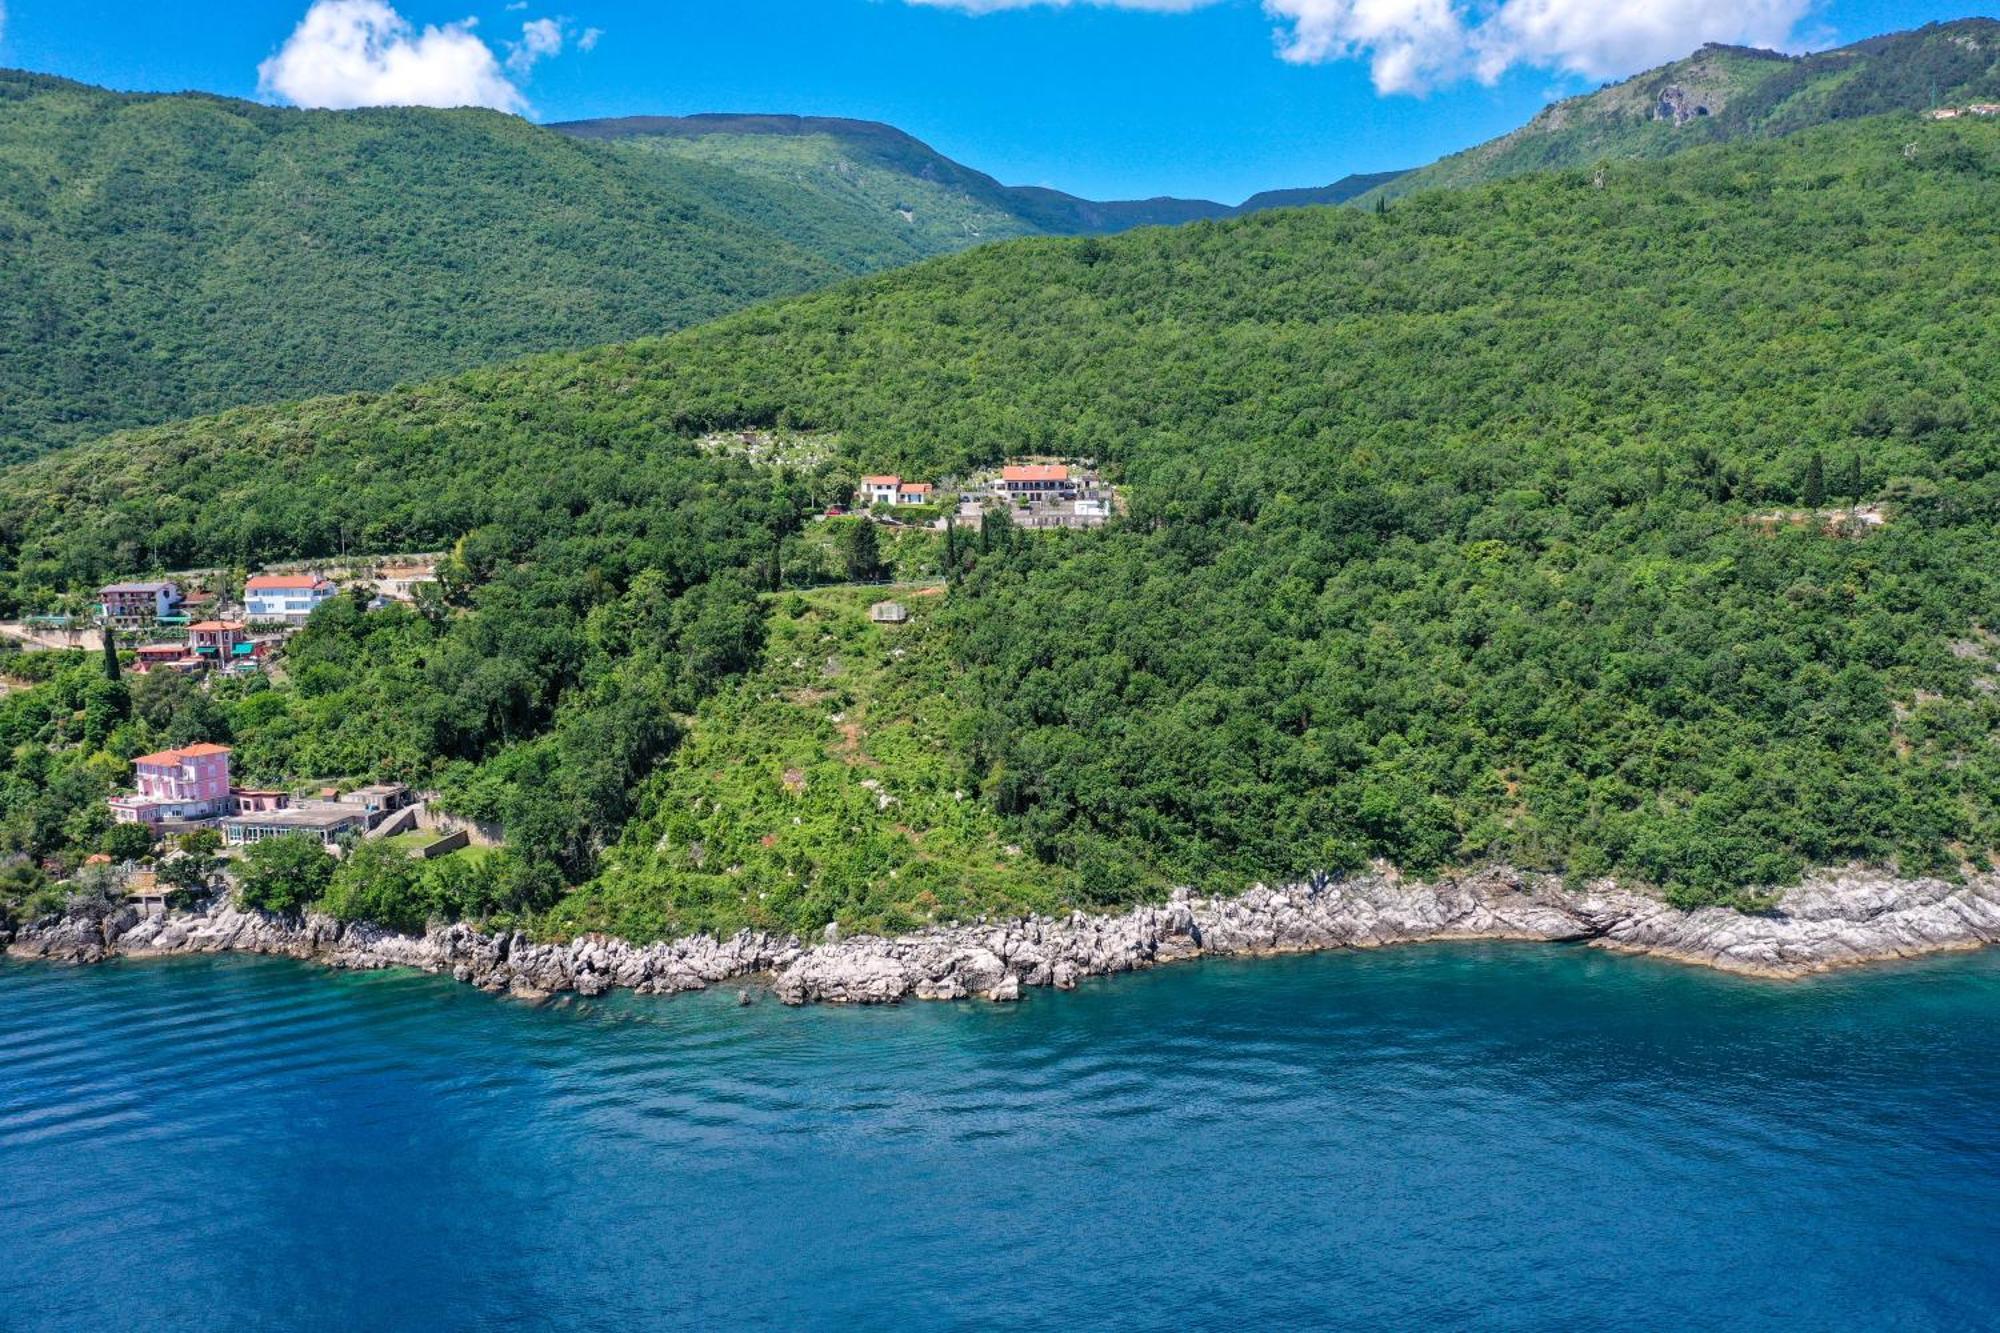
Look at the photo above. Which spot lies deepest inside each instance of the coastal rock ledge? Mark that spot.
(1837, 919)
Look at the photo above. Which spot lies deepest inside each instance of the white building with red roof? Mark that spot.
(1034, 481)
(289, 598)
(893, 490)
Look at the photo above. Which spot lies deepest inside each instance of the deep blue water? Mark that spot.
(1512, 1136)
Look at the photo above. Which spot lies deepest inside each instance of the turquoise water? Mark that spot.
(1513, 1136)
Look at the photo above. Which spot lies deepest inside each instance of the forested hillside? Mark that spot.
(163, 256)
(1722, 93)
(1510, 523)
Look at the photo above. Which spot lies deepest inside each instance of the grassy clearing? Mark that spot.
(827, 786)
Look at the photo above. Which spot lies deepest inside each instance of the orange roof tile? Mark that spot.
(1035, 472)
(200, 750)
(276, 582)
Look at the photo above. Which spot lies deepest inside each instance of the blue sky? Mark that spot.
(1114, 98)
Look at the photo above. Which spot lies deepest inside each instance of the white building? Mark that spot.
(894, 491)
(284, 597)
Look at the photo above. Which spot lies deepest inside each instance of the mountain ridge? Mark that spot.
(1723, 92)
(1060, 211)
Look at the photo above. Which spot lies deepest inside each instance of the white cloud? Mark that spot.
(1414, 45)
(539, 38)
(589, 39)
(3, 18)
(995, 6)
(349, 53)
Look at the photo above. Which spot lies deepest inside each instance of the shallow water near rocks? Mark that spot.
(1510, 1135)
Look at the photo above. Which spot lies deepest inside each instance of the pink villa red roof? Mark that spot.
(197, 751)
(280, 581)
(1034, 472)
(215, 626)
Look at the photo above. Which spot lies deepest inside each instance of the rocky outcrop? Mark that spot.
(1834, 920)
(510, 962)
(1679, 105)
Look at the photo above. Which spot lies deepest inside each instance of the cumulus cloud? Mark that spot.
(539, 38)
(1414, 45)
(349, 53)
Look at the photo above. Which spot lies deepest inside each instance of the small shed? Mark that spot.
(888, 613)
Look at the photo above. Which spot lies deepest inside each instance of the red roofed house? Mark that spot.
(1034, 481)
(894, 491)
(189, 783)
(216, 640)
(153, 656)
(287, 597)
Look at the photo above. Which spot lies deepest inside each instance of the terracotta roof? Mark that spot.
(281, 581)
(1035, 472)
(915, 487)
(881, 481)
(197, 751)
(211, 626)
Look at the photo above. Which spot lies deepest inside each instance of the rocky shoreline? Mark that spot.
(1836, 919)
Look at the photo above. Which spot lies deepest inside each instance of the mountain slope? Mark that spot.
(878, 168)
(163, 256)
(1722, 93)
(168, 255)
(1513, 523)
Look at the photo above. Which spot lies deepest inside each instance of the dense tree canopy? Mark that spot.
(1473, 529)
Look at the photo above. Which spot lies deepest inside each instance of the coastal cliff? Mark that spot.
(1837, 919)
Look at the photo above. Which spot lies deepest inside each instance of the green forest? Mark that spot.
(164, 256)
(1504, 524)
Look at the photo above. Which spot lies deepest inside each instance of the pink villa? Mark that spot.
(176, 786)
(218, 640)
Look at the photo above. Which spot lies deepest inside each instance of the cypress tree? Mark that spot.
(864, 554)
(1815, 491)
(1850, 484)
(111, 652)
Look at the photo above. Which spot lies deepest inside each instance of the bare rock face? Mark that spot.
(1679, 105)
(1834, 920)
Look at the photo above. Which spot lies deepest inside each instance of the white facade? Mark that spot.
(286, 599)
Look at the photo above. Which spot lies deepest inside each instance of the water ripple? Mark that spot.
(1477, 1135)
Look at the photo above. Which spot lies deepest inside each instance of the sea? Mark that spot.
(1437, 1136)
